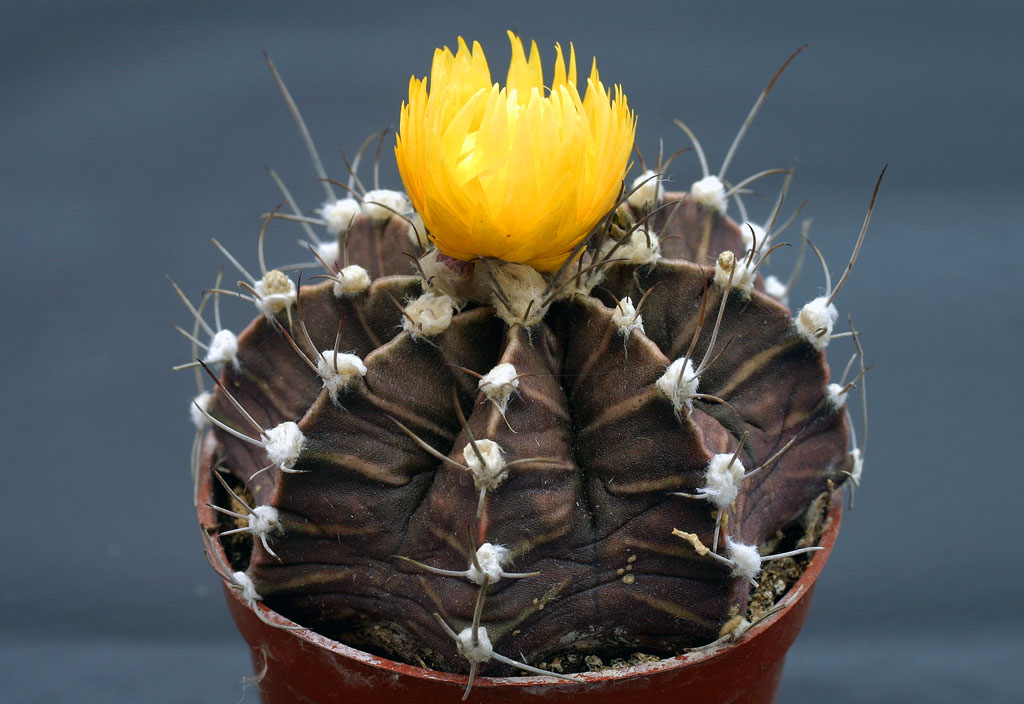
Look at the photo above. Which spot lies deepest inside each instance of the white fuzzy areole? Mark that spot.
(283, 444)
(679, 384)
(204, 401)
(647, 191)
(247, 588)
(836, 396)
(524, 292)
(858, 465)
(626, 318)
(643, 247)
(815, 321)
(264, 520)
(709, 192)
(417, 231)
(491, 558)
(489, 473)
(478, 652)
(223, 349)
(340, 214)
(428, 315)
(381, 205)
(499, 384)
(351, 281)
(776, 289)
(746, 560)
(722, 480)
(328, 252)
(742, 279)
(276, 292)
(339, 371)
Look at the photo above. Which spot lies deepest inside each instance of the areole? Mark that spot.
(298, 665)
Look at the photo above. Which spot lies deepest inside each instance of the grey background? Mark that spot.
(132, 132)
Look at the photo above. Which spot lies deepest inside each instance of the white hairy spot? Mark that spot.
(742, 279)
(223, 349)
(283, 444)
(679, 384)
(204, 401)
(264, 520)
(858, 465)
(351, 280)
(428, 315)
(478, 652)
(328, 251)
(642, 247)
(836, 396)
(524, 291)
(499, 384)
(276, 292)
(340, 214)
(776, 289)
(626, 318)
(709, 192)
(722, 480)
(815, 322)
(647, 191)
(489, 473)
(380, 205)
(491, 558)
(339, 371)
(746, 560)
(247, 588)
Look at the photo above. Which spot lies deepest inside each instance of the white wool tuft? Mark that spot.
(478, 652)
(283, 444)
(491, 559)
(746, 560)
(488, 474)
(815, 322)
(428, 315)
(339, 371)
(742, 280)
(328, 251)
(679, 384)
(836, 396)
(340, 214)
(626, 318)
(524, 290)
(264, 520)
(748, 237)
(351, 280)
(203, 401)
(276, 292)
(380, 205)
(709, 192)
(248, 589)
(418, 231)
(776, 289)
(643, 247)
(858, 465)
(223, 349)
(722, 480)
(648, 191)
(499, 384)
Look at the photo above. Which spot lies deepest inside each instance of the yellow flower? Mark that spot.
(519, 173)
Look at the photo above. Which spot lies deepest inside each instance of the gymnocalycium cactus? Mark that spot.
(528, 411)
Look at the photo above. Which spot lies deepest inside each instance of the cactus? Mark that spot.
(474, 458)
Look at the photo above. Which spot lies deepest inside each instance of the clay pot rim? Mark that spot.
(798, 591)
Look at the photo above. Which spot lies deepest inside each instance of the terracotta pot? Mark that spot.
(300, 666)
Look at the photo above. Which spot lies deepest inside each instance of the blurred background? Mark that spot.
(133, 132)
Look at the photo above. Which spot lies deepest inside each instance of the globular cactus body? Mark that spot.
(470, 460)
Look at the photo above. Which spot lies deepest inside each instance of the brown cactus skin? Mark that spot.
(593, 515)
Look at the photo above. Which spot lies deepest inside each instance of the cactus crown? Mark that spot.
(585, 441)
